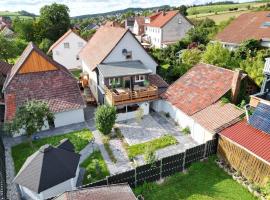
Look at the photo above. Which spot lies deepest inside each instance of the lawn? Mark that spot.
(21, 151)
(203, 181)
(158, 143)
(96, 168)
(76, 73)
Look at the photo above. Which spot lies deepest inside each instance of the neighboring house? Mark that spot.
(49, 172)
(91, 27)
(138, 28)
(66, 50)
(252, 25)
(37, 77)
(7, 32)
(110, 192)
(5, 21)
(129, 23)
(194, 100)
(164, 28)
(112, 24)
(121, 72)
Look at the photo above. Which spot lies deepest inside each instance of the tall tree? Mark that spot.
(183, 10)
(8, 49)
(54, 21)
(24, 29)
(30, 117)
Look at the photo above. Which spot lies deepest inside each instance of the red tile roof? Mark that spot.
(101, 44)
(218, 116)
(57, 87)
(200, 87)
(159, 82)
(161, 18)
(246, 26)
(252, 139)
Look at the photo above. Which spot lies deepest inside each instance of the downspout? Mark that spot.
(246, 111)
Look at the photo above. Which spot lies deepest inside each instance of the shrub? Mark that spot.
(149, 155)
(186, 131)
(139, 114)
(191, 56)
(105, 117)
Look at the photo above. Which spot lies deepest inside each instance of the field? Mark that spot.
(13, 15)
(203, 181)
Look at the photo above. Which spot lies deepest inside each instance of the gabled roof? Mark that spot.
(4, 70)
(218, 116)
(156, 80)
(110, 192)
(250, 138)
(253, 25)
(161, 18)
(199, 88)
(260, 118)
(62, 38)
(47, 167)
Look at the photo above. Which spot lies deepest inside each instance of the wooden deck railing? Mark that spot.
(255, 100)
(150, 93)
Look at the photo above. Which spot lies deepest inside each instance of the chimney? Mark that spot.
(236, 83)
(163, 13)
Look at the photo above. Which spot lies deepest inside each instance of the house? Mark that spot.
(49, 172)
(129, 23)
(91, 27)
(7, 32)
(35, 76)
(66, 49)
(194, 101)
(121, 73)
(164, 28)
(252, 25)
(138, 27)
(5, 21)
(110, 192)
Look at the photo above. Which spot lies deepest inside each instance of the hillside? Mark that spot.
(21, 14)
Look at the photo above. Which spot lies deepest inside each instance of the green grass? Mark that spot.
(76, 73)
(159, 143)
(96, 168)
(203, 181)
(106, 140)
(21, 151)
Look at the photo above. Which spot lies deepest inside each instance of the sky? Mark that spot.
(81, 7)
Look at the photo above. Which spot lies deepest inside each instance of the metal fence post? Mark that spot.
(107, 179)
(205, 149)
(135, 176)
(184, 159)
(161, 168)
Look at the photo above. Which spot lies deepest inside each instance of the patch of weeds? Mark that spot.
(186, 130)
(225, 100)
(106, 142)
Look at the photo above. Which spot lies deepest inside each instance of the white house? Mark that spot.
(66, 50)
(253, 25)
(49, 172)
(35, 76)
(193, 101)
(164, 28)
(120, 71)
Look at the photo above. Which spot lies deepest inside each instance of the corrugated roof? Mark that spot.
(125, 68)
(246, 26)
(218, 116)
(260, 118)
(254, 140)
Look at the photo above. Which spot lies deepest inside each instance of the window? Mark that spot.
(80, 44)
(66, 45)
(115, 81)
(129, 55)
(77, 57)
(179, 21)
(139, 78)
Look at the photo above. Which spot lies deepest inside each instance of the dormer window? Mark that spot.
(66, 45)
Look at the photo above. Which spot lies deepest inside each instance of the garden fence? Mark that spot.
(162, 168)
(3, 185)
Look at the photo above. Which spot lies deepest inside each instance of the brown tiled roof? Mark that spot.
(101, 44)
(246, 26)
(200, 87)
(57, 87)
(159, 82)
(62, 38)
(161, 18)
(250, 138)
(4, 70)
(111, 192)
(218, 116)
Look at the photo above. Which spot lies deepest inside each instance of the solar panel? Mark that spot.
(266, 24)
(260, 119)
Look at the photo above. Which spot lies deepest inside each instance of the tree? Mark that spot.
(31, 118)
(54, 21)
(87, 34)
(24, 29)
(183, 10)
(191, 56)
(216, 54)
(45, 44)
(248, 47)
(105, 117)
(8, 49)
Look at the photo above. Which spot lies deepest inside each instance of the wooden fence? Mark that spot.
(250, 166)
(162, 168)
(3, 185)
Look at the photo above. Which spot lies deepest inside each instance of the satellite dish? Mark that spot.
(124, 51)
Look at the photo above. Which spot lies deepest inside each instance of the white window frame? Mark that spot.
(66, 45)
(139, 78)
(117, 81)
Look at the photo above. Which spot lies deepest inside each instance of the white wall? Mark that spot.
(154, 35)
(198, 133)
(68, 56)
(136, 28)
(130, 43)
(69, 117)
(92, 79)
(132, 115)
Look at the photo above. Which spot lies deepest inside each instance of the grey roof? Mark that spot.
(260, 119)
(66, 145)
(47, 167)
(125, 68)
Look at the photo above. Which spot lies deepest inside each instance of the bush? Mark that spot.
(150, 155)
(186, 131)
(105, 117)
(191, 56)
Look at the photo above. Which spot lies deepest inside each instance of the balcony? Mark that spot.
(120, 96)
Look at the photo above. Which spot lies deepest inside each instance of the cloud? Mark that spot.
(81, 7)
